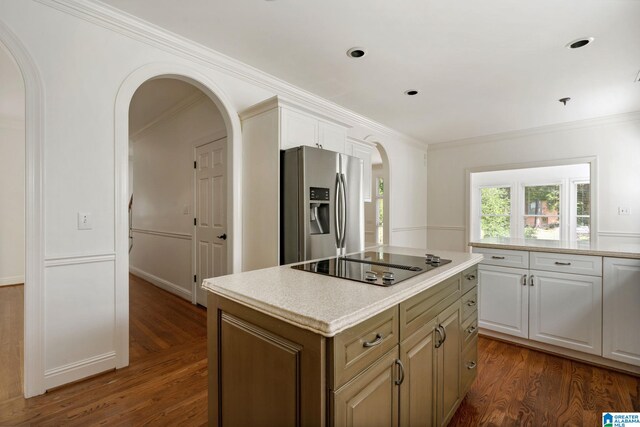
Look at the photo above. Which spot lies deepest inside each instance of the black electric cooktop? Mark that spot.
(376, 268)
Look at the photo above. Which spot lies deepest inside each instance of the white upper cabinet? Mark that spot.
(301, 128)
(362, 150)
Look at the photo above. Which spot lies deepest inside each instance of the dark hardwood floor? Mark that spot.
(166, 383)
(521, 387)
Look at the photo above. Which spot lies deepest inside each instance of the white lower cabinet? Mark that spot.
(503, 300)
(565, 310)
(621, 311)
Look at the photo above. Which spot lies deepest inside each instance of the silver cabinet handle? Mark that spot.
(524, 280)
(471, 303)
(471, 365)
(400, 371)
(470, 277)
(471, 329)
(377, 341)
(439, 340)
(562, 263)
(497, 257)
(531, 280)
(444, 333)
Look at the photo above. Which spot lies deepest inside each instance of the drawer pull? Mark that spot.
(562, 263)
(497, 257)
(471, 303)
(531, 280)
(524, 280)
(471, 365)
(378, 340)
(471, 277)
(471, 329)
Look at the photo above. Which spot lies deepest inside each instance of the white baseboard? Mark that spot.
(161, 283)
(13, 280)
(78, 370)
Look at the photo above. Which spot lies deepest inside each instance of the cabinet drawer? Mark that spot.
(469, 366)
(469, 278)
(566, 263)
(503, 257)
(469, 303)
(424, 307)
(357, 347)
(469, 330)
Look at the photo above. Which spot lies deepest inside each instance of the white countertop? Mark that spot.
(327, 305)
(608, 248)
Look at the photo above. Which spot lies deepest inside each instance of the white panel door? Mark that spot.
(566, 310)
(503, 300)
(332, 137)
(621, 311)
(211, 214)
(298, 129)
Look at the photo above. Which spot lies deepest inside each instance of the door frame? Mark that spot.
(34, 366)
(121, 133)
(213, 137)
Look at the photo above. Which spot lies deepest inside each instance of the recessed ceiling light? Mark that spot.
(581, 42)
(564, 100)
(411, 92)
(356, 52)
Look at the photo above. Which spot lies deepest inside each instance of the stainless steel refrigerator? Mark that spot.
(322, 212)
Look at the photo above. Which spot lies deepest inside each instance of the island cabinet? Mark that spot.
(409, 365)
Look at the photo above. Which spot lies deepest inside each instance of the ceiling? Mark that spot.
(481, 67)
(155, 97)
(11, 88)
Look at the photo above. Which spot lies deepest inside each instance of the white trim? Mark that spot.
(234, 181)
(161, 283)
(78, 370)
(34, 215)
(12, 124)
(11, 280)
(172, 235)
(446, 227)
(79, 259)
(416, 228)
(170, 113)
(558, 127)
(133, 27)
(619, 234)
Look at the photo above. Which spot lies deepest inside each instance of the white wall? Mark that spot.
(11, 202)
(163, 195)
(615, 143)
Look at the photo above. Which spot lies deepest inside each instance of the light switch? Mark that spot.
(84, 221)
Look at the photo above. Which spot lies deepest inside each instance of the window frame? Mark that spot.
(562, 208)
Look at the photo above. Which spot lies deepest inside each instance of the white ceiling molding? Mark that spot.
(559, 127)
(126, 24)
(279, 101)
(177, 108)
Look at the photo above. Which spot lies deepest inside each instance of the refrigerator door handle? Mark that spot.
(343, 226)
(338, 233)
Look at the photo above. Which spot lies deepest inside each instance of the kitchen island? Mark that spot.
(288, 347)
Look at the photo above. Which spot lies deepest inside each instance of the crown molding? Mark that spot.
(280, 101)
(170, 113)
(133, 27)
(558, 127)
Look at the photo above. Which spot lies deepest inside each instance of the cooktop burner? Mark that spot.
(376, 268)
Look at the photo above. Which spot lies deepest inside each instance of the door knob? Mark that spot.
(222, 236)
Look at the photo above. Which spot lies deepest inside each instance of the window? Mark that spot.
(495, 216)
(380, 210)
(542, 212)
(582, 228)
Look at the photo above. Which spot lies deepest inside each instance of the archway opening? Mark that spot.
(377, 209)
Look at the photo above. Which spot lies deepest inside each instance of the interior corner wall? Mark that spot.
(12, 192)
(616, 147)
(163, 210)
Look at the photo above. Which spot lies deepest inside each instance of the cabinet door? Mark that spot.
(566, 310)
(363, 152)
(298, 129)
(417, 403)
(504, 301)
(332, 137)
(448, 365)
(371, 398)
(620, 310)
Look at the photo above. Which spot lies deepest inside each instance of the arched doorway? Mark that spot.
(233, 226)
